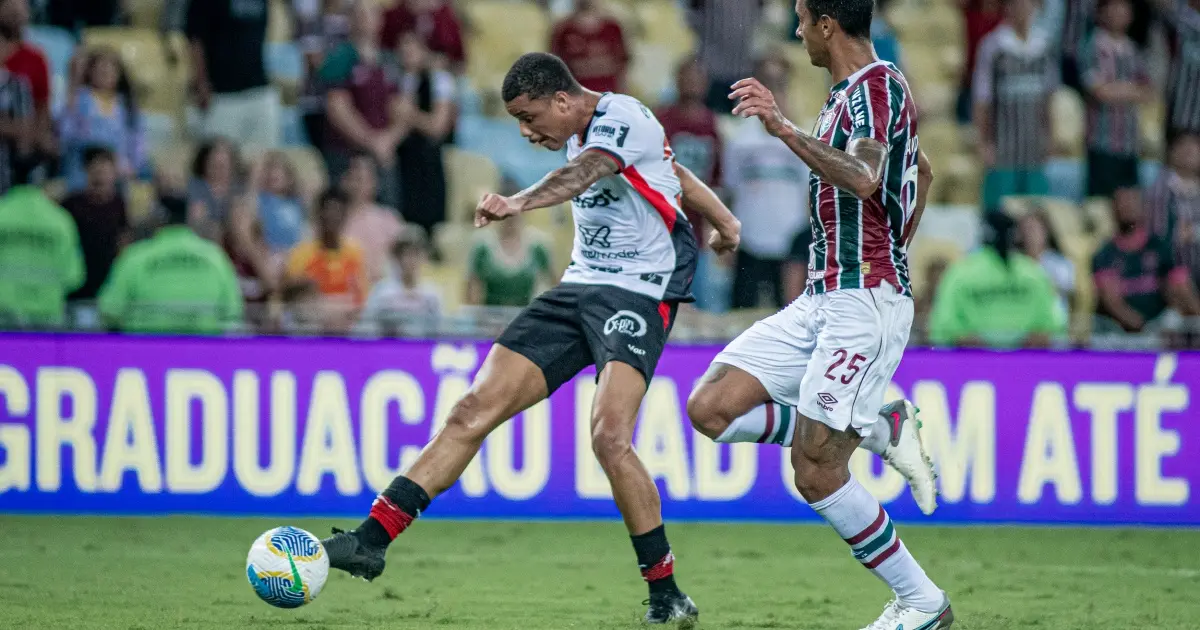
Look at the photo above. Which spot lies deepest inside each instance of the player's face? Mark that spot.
(545, 122)
(812, 33)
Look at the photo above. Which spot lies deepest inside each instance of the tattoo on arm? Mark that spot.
(858, 170)
(568, 182)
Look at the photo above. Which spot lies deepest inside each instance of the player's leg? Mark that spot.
(537, 353)
(627, 333)
(750, 395)
(859, 345)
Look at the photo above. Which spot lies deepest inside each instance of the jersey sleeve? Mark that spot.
(625, 134)
(871, 110)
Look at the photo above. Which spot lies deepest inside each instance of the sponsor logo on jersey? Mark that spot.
(625, 323)
(604, 131)
(595, 237)
(592, 254)
(652, 278)
(858, 109)
(602, 199)
(606, 269)
(826, 401)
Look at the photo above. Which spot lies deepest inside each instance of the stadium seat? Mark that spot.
(454, 239)
(174, 161)
(961, 180)
(280, 24)
(144, 13)
(469, 176)
(1067, 114)
(1098, 215)
(924, 252)
(664, 23)
(506, 30)
(310, 168)
(650, 76)
(139, 200)
(144, 53)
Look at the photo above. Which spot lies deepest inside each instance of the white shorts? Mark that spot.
(831, 356)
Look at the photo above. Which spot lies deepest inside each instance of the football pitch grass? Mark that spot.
(185, 572)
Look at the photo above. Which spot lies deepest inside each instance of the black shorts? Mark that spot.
(572, 326)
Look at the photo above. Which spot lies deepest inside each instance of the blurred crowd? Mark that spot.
(291, 166)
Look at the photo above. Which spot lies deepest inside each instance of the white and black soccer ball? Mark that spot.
(287, 567)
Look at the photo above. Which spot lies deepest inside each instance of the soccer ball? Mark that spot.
(287, 567)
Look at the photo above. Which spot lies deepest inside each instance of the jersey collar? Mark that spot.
(598, 113)
(852, 79)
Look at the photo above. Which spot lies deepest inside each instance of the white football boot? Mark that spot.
(897, 616)
(906, 453)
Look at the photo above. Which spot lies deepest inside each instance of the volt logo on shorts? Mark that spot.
(636, 350)
(625, 323)
(826, 401)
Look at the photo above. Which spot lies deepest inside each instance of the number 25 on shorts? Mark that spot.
(850, 371)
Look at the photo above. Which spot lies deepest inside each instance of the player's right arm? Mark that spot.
(727, 230)
(858, 170)
(560, 186)
(924, 181)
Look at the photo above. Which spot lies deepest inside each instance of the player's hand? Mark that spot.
(754, 99)
(725, 239)
(495, 207)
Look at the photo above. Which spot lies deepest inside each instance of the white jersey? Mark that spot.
(629, 229)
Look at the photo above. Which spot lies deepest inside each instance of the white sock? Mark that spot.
(876, 436)
(859, 519)
(771, 423)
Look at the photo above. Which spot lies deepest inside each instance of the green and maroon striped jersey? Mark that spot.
(858, 244)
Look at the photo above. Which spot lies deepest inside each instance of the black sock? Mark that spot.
(655, 560)
(405, 495)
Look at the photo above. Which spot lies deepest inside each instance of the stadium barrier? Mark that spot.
(145, 425)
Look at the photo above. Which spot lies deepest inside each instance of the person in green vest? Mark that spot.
(175, 282)
(506, 265)
(40, 259)
(996, 297)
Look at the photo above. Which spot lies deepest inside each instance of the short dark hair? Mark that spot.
(174, 209)
(854, 16)
(96, 152)
(538, 75)
(413, 237)
(205, 150)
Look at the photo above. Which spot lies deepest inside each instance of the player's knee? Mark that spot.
(817, 477)
(705, 412)
(469, 418)
(611, 442)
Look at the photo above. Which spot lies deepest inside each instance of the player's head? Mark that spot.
(1127, 209)
(1114, 16)
(1184, 156)
(331, 215)
(1020, 13)
(823, 22)
(540, 92)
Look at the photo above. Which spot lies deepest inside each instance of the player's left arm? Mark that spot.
(560, 186)
(698, 196)
(924, 181)
(858, 170)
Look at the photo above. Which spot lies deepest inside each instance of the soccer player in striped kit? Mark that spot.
(1016, 72)
(1183, 87)
(814, 374)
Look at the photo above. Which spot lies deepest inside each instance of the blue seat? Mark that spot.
(284, 62)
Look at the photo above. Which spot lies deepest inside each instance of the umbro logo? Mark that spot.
(826, 400)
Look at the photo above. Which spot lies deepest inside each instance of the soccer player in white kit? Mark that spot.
(814, 374)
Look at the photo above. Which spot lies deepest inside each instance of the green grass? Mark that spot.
(176, 572)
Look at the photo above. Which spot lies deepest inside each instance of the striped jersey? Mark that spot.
(858, 243)
(1173, 208)
(1113, 128)
(16, 103)
(1183, 86)
(630, 231)
(1015, 77)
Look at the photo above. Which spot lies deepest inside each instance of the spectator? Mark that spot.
(506, 265)
(726, 31)
(175, 282)
(1016, 72)
(333, 263)
(996, 296)
(593, 47)
(1038, 242)
(229, 75)
(26, 61)
(1137, 276)
(422, 169)
(1077, 32)
(403, 304)
(365, 108)
(1183, 87)
(769, 186)
(883, 36)
(213, 189)
(980, 17)
(102, 111)
(372, 227)
(40, 259)
(17, 127)
(320, 32)
(100, 216)
(434, 22)
(1116, 82)
(278, 203)
(1173, 201)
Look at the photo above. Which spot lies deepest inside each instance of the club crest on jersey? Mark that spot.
(625, 323)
